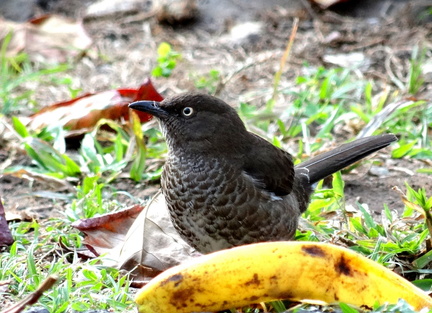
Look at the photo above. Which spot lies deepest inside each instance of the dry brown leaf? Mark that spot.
(49, 38)
(152, 240)
(6, 238)
(145, 244)
(326, 3)
(52, 182)
(106, 233)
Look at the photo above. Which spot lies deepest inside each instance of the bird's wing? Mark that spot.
(271, 167)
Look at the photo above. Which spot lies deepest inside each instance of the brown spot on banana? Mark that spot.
(253, 299)
(180, 298)
(177, 278)
(314, 251)
(254, 281)
(343, 266)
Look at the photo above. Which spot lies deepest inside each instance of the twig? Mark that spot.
(363, 45)
(393, 78)
(140, 17)
(284, 59)
(33, 297)
(250, 63)
(306, 4)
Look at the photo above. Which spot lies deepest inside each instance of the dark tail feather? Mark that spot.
(330, 162)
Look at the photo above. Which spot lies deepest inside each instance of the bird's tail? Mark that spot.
(332, 161)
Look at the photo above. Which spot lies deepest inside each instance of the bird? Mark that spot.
(225, 186)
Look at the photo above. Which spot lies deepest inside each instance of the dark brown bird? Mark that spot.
(225, 186)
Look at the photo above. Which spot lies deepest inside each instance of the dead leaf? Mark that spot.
(106, 8)
(175, 12)
(84, 112)
(145, 244)
(382, 116)
(50, 38)
(52, 182)
(153, 241)
(348, 60)
(106, 233)
(327, 3)
(6, 238)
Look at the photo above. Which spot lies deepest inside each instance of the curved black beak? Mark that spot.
(151, 107)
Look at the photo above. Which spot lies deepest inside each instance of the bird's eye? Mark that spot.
(187, 111)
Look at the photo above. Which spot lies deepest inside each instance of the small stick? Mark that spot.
(284, 59)
(33, 297)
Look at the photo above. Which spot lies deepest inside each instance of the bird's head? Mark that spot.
(197, 122)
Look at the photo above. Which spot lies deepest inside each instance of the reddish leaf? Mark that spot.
(84, 112)
(145, 92)
(5, 234)
(106, 232)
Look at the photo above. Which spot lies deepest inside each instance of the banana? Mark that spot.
(276, 270)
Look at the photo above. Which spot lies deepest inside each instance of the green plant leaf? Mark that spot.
(338, 184)
(19, 127)
(139, 164)
(424, 260)
(423, 284)
(164, 49)
(346, 308)
(403, 149)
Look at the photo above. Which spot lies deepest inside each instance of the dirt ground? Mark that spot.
(125, 49)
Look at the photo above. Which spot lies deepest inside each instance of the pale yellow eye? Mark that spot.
(187, 111)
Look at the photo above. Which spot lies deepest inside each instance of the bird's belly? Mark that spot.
(214, 207)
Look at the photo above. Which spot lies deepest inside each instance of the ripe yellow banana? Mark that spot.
(276, 270)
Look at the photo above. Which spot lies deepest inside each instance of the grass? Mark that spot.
(83, 285)
(17, 70)
(320, 101)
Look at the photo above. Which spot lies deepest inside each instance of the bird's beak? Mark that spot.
(151, 107)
